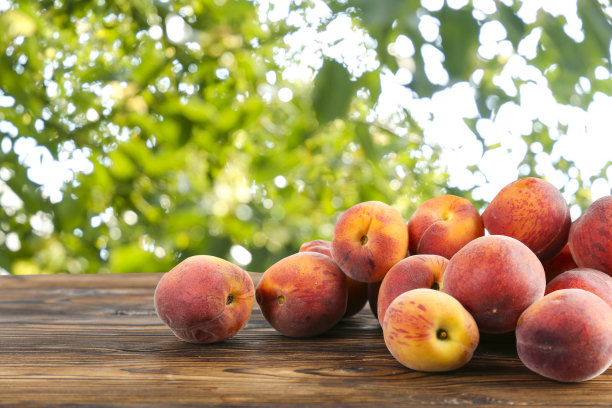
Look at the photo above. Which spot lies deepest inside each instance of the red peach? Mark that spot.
(357, 296)
(369, 238)
(590, 237)
(303, 295)
(592, 280)
(373, 289)
(443, 225)
(566, 336)
(204, 299)
(562, 262)
(318, 245)
(416, 271)
(534, 212)
(495, 278)
(357, 291)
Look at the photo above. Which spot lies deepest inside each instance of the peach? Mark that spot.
(373, 289)
(592, 280)
(590, 237)
(318, 245)
(204, 299)
(428, 330)
(303, 295)
(416, 271)
(495, 278)
(357, 296)
(443, 225)
(369, 238)
(566, 336)
(534, 212)
(562, 262)
(357, 291)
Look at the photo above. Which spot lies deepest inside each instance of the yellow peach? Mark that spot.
(428, 330)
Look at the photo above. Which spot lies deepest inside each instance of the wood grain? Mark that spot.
(94, 340)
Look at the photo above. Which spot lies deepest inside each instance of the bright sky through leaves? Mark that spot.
(442, 116)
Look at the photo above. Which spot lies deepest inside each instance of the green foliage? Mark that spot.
(197, 142)
(331, 105)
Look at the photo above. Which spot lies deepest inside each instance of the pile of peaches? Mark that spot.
(435, 283)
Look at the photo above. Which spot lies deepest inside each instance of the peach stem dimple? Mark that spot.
(281, 299)
(442, 334)
(364, 238)
(435, 286)
(229, 300)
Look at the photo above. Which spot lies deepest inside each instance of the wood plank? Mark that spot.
(95, 340)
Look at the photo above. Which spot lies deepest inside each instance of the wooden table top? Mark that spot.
(96, 340)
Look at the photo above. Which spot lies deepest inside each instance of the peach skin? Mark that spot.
(416, 271)
(566, 336)
(592, 280)
(303, 295)
(495, 278)
(373, 290)
(318, 245)
(562, 262)
(357, 291)
(443, 225)
(204, 299)
(533, 211)
(590, 237)
(428, 330)
(369, 238)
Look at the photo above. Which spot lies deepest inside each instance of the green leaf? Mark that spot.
(364, 137)
(333, 92)
(122, 168)
(515, 27)
(152, 64)
(459, 31)
(371, 81)
(597, 26)
(381, 13)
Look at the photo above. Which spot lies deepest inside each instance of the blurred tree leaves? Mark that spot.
(190, 139)
(329, 105)
(459, 40)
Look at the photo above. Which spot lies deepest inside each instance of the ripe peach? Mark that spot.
(416, 271)
(566, 336)
(592, 280)
(495, 278)
(369, 238)
(428, 330)
(318, 245)
(562, 262)
(534, 212)
(357, 296)
(443, 225)
(357, 291)
(590, 237)
(373, 289)
(204, 299)
(302, 295)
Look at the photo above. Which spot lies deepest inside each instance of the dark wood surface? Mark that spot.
(95, 340)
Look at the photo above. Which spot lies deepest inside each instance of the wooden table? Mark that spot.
(96, 340)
